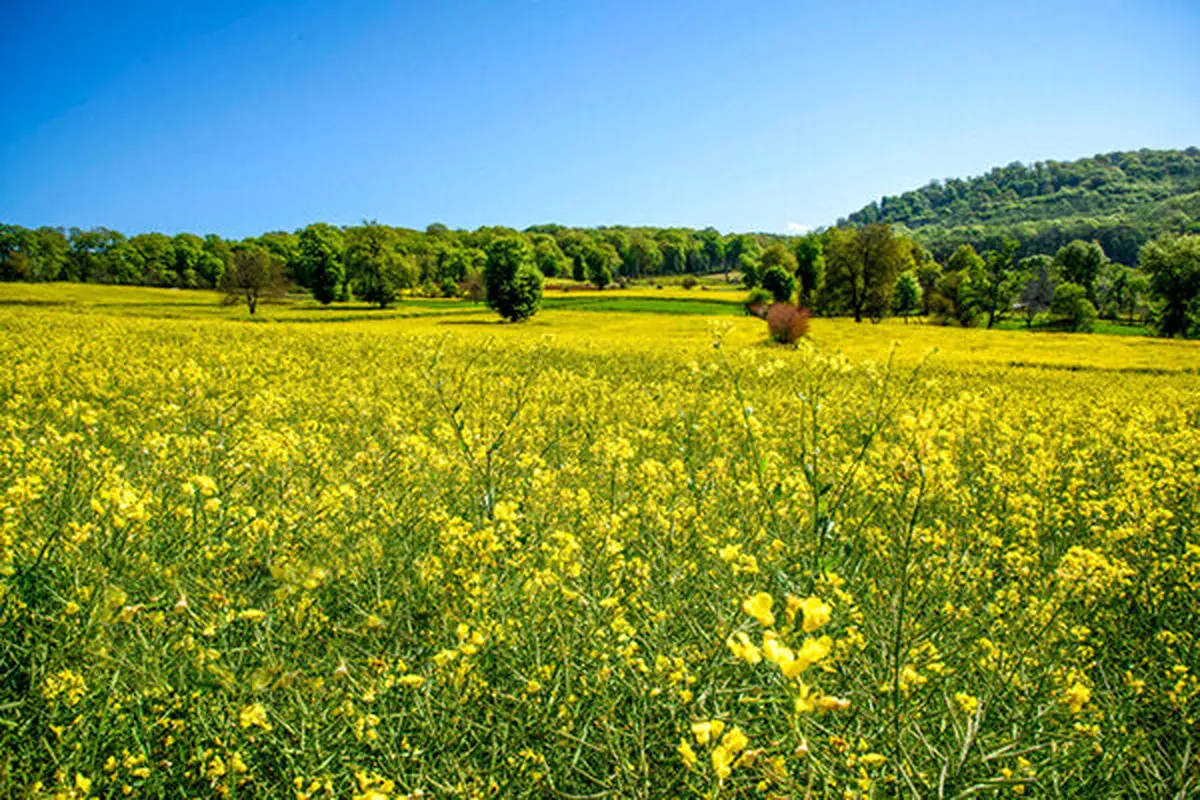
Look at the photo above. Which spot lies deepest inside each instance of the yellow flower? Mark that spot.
(966, 703)
(705, 731)
(83, 784)
(735, 741)
(830, 703)
(743, 648)
(759, 607)
(687, 754)
(412, 681)
(812, 651)
(816, 613)
(1077, 697)
(254, 715)
(722, 761)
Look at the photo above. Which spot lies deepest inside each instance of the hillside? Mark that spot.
(1120, 199)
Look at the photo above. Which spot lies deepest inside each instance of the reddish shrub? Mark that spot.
(786, 322)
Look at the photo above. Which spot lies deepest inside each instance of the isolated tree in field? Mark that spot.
(862, 265)
(780, 283)
(320, 257)
(255, 275)
(512, 283)
(1038, 279)
(376, 270)
(1080, 263)
(1173, 266)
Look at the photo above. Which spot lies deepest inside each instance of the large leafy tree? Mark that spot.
(1080, 263)
(862, 265)
(601, 259)
(1038, 277)
(1174, 269)
(255, 274)
(997, 283)
(377, 271)
(512, 283)
(321, 261)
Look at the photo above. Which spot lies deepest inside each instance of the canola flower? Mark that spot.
(368, 558)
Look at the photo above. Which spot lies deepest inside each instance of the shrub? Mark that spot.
(787, 323)
(780, 283)
(689, 282)
(758, 301)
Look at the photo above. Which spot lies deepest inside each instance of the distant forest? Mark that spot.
(1121, 200)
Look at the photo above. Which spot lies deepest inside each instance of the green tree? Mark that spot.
(1038, 277)
(778, 255)
(810, 268)
(1080, 263)
(512, 283)
(600, 259)
(158, 258)
(644, 256)
(1173, 265)
(997, 284)
(548, 256)
(1071, 305)
(964, 259)
(255, 275)
(376, 270)
(907, 295)
(862, 265)
(780, 283)
(320, 261)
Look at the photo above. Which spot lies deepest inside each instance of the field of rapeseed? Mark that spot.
(601, 556)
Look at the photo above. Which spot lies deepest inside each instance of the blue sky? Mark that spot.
(241, 117)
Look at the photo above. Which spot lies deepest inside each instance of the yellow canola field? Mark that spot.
(595, 555)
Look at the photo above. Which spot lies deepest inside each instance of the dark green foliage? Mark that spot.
(512, 283)
(907, 296)
(320, 259)
(1173, 266)
(1121, 200)
(1072, 307)
(549, 257)
(600, 260)
(1080, 262)
(376, 269)
(1038, 277)
(862, 265)
(780, 283)
(751, 270)
(810, 268)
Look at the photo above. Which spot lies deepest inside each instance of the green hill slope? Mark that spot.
(1121, 200)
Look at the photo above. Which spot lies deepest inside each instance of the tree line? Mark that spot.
(368, 260)
(875, 270)
(866, 271)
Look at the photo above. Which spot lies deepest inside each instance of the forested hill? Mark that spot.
(1121, 200)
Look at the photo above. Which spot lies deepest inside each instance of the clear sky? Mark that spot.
(242, 117)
